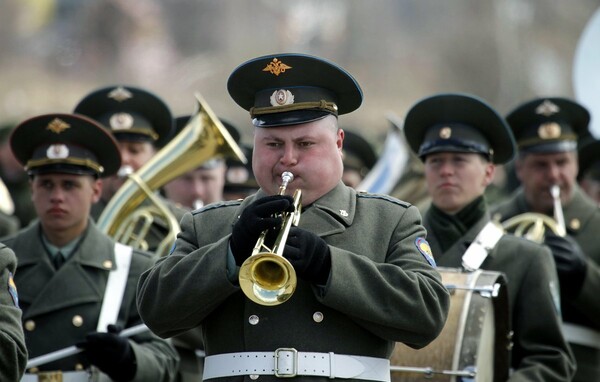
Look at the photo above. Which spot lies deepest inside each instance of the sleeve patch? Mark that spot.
(423, 247)
(12, 290)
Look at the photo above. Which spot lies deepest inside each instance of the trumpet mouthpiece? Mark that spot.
(125, 171)
(287, 177)
(555, 191)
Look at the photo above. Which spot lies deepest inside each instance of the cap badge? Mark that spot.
(547, 108)
(276, 67)
(57, 126)
(121, 121)
(549, 130)
(281, 97)
(237, 175)
(445, 132)
(120, 94)
(59, 151)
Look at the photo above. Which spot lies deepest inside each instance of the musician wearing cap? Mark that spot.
(76, 285)
(141, 123)
(13, 352)
(204, 184)
(547, 131)
(460, 139)
(337, 276)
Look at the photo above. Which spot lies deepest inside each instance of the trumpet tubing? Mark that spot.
(266, 277)
(203, 138)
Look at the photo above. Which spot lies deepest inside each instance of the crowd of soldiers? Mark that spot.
(363, 260)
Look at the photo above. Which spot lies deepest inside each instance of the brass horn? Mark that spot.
(266, 277)
(533, 225)
(203, 138)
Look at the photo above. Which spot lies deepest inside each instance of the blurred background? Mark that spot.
(53, 52)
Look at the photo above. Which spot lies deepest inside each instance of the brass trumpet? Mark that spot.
(266, 277)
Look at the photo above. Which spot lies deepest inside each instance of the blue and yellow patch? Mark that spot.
(12, 290)
(425, 249)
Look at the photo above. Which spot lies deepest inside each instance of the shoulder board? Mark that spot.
(212, 206)
(388, 198)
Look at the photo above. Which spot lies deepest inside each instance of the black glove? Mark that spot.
(309, 255)
(260, 215)
(570, 260)
(110, 353)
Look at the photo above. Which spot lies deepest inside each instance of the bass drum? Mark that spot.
(474, 344)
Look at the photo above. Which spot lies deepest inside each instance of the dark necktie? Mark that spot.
(59, 260)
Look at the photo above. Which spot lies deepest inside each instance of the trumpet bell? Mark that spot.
(267, 278)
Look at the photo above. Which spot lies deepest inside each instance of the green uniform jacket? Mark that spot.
(582, 218)
(381, 288)
(52, 299)
(13, 352)
(540, 352)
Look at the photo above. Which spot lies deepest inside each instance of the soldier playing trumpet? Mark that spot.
(365, 277)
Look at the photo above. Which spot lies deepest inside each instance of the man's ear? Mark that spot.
(96, 190)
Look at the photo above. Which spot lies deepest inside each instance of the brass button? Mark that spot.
(34, 370)
(107, 264)
(30, 325)
(575, 224)
(79, 367)
(253, 319)
(318, 317)
(77, 321)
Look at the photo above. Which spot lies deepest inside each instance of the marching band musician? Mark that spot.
(460, 140)
(141, 123)
(13, 352)
(365, 276)
(65, 264)
(547, 131)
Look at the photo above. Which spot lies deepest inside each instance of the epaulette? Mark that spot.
(212, 206)
(363, 194)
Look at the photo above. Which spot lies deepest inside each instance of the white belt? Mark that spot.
(288, 362)
(581, 335)
(64, 376)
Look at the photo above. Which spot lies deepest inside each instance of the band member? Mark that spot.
(460, 140)
(141, 123)
(365, 277)
(13, 352)
(547, 131)
(66, 265)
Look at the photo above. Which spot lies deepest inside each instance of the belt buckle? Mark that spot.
(50, 376)
(294, 360)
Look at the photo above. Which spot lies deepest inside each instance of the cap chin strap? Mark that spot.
(321, 105)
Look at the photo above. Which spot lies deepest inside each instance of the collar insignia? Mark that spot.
(344, 213)
(120, 94)
(57, 126)
(276, 67)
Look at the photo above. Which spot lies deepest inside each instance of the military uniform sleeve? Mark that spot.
(587, 301)
(538, 342)
(387, 285)
(156, 358)
(191, 281)
(13, 352)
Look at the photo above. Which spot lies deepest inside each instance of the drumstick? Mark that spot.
(72, 350)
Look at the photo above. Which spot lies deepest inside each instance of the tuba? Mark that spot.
(266, 277)
(203, 138)
(533, 225)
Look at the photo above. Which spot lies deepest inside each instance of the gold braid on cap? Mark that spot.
(323, 105)
(74, 161)
(536, 140)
